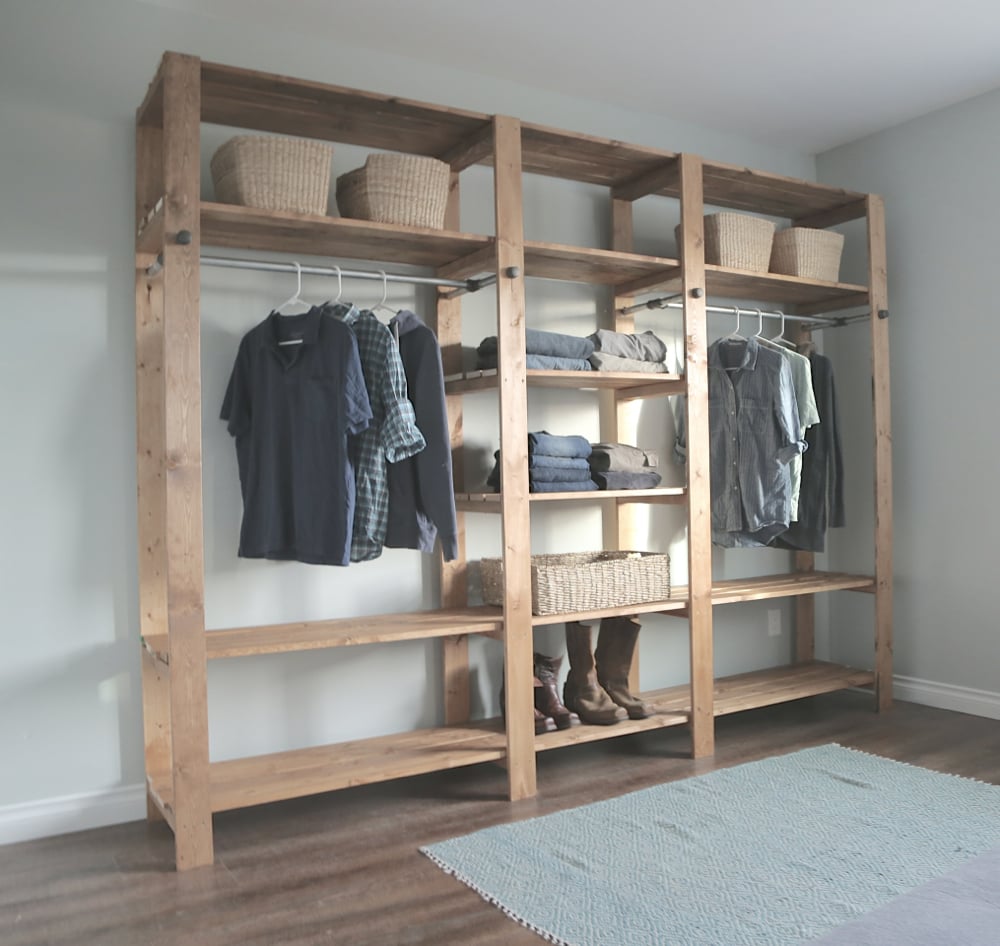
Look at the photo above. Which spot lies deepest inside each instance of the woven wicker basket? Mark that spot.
(584, 581)
(739, 241)
(273, 173)
(802, 251)
(407, 189)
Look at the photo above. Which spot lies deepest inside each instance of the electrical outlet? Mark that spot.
(774, 623)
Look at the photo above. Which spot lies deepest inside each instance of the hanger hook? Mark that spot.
(737, 308)
(298, 276)
(340, 283)
(760, 322)
(385, 288)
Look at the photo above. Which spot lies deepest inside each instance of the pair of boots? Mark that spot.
(597, 682)
(550, 714)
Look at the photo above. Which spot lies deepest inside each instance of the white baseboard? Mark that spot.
(945, 696)
(41, 819)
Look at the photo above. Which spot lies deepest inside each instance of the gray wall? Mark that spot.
(71, 75)
(938, 177)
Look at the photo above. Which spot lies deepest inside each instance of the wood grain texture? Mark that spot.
(631, 384)
(883, 450)
(454, 582)
(602, 267)
(699, 592)
(274, 231)
(515, 519)
(182, 460)
(346, 868)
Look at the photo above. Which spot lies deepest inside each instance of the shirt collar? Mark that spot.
(344, 311)
(290, 326)
(751, 347)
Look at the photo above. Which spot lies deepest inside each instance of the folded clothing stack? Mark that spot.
(551, 351)
(620, 466)
(621, 351)
(556, 464)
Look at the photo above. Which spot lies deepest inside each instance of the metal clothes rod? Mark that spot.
(225, 262)
(667, 302)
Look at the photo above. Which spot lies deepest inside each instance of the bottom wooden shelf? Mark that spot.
(766, 687)
(241, 783)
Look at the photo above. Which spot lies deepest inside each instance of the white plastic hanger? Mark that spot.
(296, 299)
(381, 305)
(734, 335)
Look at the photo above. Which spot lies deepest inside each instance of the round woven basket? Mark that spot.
(407, 189)
(806, 252)
(273, 173)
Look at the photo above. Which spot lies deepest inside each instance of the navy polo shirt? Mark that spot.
(291, 409)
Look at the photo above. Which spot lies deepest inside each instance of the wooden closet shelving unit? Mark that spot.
(184, 786)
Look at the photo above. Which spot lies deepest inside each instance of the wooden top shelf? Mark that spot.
(342, 632)
(245, 98)
(603, 267)
(808, 296)
(630, 383)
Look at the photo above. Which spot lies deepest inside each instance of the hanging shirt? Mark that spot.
(392, 435)
(821, 502)
(421, 489)
(753, 434)
(807, 412)
(291, 409)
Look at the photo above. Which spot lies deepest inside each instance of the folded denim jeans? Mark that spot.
(484, 362)
(643, 347)
(537, 342)
(627, 480)
(555, 445)
(582, 486)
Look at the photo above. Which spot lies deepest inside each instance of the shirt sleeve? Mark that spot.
(236, 405)
(401, 438)
(434, 471)
(787, 415)
(357, 407)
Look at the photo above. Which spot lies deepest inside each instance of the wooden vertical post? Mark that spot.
(698, 480)
(149, 455)
(621, 521)
(879, 299)
(454, 575)
(518, 637)
(805, 605)
(182, 455)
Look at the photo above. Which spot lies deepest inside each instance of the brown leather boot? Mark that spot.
(543, 723)
(547, 695)
(581, 692)
(613, 656)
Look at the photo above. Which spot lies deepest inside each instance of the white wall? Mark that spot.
(71, 75)
(938, 177)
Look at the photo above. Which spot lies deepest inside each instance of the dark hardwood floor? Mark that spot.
(344, 868)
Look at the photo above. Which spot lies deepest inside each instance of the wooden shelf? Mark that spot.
(602, 267)
(577, 735)
(733, 590)
(241, 783)
(249, 228)
(245, 98)
(490, 502)
(343, 632)
(809, 296)
(631, 384)
(765, 687)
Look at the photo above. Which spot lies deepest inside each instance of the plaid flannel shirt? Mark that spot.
(393, 434)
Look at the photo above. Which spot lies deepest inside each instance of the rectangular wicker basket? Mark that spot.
(273, 173)
(585, 581)
(407, 189)
(739, 241)
(804, 251)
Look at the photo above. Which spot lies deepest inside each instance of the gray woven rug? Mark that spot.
(778, 852)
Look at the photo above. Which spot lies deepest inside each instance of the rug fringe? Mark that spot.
(544, 934)
(910, 765)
